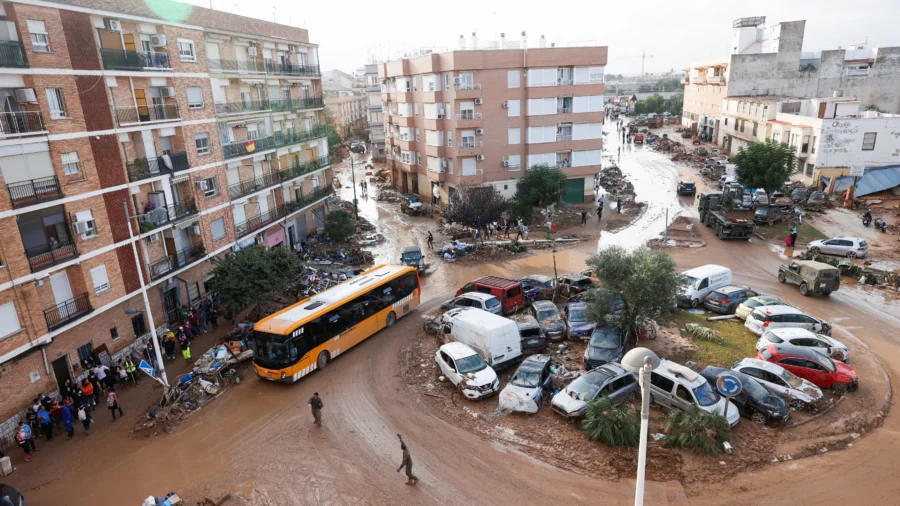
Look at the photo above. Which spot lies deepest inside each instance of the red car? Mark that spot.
(812, 366)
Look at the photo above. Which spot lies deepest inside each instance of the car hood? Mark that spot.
(603, 354)
(845, 369)
(810, 389)
(554, 325)
(483, 377)
(564, 401)
(813, 244)
(718, 408)
(516, 398)
(582, 326)
(776, 405)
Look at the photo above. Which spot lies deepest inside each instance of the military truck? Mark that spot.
(728, 212)
(813, 277)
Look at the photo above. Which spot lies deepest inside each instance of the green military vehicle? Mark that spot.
(813, 277)
(728, 213)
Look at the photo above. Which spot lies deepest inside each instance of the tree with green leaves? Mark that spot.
(765, 165)
(473, 205)
(541, 185)
(253, 276)
(339, 225)
(612, 425)
(634, 285)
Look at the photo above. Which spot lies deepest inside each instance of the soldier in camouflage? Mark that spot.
(315, 404)
(407, 463)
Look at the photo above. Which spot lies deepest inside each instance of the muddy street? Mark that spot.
(258, 442)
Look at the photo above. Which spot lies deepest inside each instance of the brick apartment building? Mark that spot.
(206, 133)
(348, 113)
(476, 116)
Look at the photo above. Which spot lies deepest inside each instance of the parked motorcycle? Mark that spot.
(880, 225)
(866, 219)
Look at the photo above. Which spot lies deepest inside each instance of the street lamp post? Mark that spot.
(353, 178)
(137, 265)
(642, 361)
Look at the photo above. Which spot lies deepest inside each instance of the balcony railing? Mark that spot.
(295, 104)
(698, 79)
(145, 113)
(563, 110)
(857, 72)
(563, 164)
(471, 144)
(303, 168)
(262, 67)
(278, 140)
(468, 115)
(252, 185)
(124, 59)
(164, 214)
(11, 54)
(306, 200)
(19, 123)
(67, 311)
(715, 79)
(179, 161)
(292, 69)
(41, 257)
(564, 81)
(563, 137)
(242, 106)
(466, 86)
(144, 168)
(259, 221)
(175, 261)
(514, 168)
(30, 192)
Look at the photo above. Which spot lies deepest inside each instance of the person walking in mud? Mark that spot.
(430, 240)
(407, 463)
(584, 216)
(315, 405)
(619, 204)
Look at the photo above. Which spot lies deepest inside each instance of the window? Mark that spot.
(39, 40)
(449, 138)
(416, 109)
(418, 137)
(446, 82)
(114, 333)
(515, 162)
(542, 77)
(194, 292)
(661, 382)
(755, 128)
(101, 279)
(515, 135)
(812, 147)
(217, 227)
(418, 158)
(84, 224)
(55, 103)
(208, 187)
(512, 79)
(9, 320)
(195, 97)
(86, 354)
(186, 50)
(70, 164)
(743, 122)
(869, 141)
(512, 108)
(201, 140)
(541, 106)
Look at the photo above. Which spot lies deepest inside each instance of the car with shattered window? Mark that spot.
(754, 401)
(547, 315)
(798, 392)
(468, 372)
(526, 388)
(607, 344)
(608, 380)
(530, 332)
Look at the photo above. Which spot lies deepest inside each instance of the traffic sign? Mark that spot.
(728, 385)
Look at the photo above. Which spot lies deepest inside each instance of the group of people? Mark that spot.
(195, 321)
(364, 187)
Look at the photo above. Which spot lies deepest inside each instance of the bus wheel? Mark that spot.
(390, 320)
(322, 361)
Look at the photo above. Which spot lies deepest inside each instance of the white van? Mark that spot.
(701, 281)
(675, 386)
(494, 337)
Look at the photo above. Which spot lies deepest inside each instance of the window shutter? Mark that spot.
(36, 27)
(9, 319)
(581, 104)
(582, 75)
(100, 278)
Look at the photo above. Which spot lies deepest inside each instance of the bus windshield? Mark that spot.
(273, 350)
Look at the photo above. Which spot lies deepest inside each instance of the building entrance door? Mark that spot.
(61, 371)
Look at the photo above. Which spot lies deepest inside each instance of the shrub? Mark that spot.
(696, 430)
(339, 225)
(614, 426)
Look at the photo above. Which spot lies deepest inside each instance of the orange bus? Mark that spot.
(297, 340)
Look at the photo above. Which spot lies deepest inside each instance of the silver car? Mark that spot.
(850, 247)
(608, 380)
(484, 301)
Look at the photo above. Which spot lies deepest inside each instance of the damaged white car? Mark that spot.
(525, 389)
(467, 371)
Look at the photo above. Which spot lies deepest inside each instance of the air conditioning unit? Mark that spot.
(153, 238)
(479, 131)
(81, 227)
(251, 51)
(260, 239)
(158, 40)
(26, 95)
(202, 185)
(506, 163)
(112, 24)
(167, 91)
(194, 230)
(505, 105)
(456, 80)
(443, 163)
(479, 101)
(440, 116)
(479, 157)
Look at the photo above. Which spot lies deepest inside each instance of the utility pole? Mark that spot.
(353, 178)
(644, 56)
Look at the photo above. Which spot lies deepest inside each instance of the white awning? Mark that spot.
(258, 82)
(180, 178)
(181, 225)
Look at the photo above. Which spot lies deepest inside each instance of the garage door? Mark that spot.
(574, 191)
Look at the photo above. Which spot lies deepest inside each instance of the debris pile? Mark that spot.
(612, 180)
(455, 231)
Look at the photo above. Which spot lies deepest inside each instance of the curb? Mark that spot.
(817, 415)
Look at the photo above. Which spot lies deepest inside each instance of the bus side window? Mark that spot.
(317, 331)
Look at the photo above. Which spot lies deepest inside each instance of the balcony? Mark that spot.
(11, 54)
(715, 79)
(68, 311)
(698, 79)
(146, 113)
(47, 255)
(564, 110)
(307, 200)
(174, 261)
(466, 86)
(262, 67)
(124, 59)
(292, 69)
(34, 191)
(249, 186)
(563, 137)
(514, 167)
(21, 123)
(296, 104)
(243, 106)
(280, 139)
(144, 168)
(303, 168)
(162, 215)
(468, 116)
(564, 81)
(257, 222)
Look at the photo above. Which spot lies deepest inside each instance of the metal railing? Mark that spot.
(144, 168)
(68, 311)
(563, 110)
(30, 192)
(468, 115)
(175, 261)
(145, 113)
(242, 106)
(471, 144)
(161, 215)
(564, 81)
(12, 54)
(279, 139)
(563, 164)
(563, 137)
(249, 186)
(124, 59)
(306, 200)
(17, 123)
(262, 67)
(46, 255)
(303, 168)
(514, 167)
(295, 104)
(178, 160)
(259, 221)
(466, 86)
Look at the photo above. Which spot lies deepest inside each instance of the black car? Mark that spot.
(578, 283)
(607, 344)
(766, 215)
(754, 401)
(686, 188)
(799, 195)
(725, 300)
(530, 332)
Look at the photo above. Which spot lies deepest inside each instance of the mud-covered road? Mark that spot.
(258, 442)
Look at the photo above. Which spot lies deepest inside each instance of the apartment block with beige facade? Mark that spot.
(471, 117)
(203, 134)
(349, 113)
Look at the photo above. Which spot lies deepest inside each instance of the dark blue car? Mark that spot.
(579, 327)
(607, 344)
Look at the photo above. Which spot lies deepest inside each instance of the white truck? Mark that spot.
(494, 337)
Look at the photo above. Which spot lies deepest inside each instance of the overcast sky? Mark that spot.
(351, 32)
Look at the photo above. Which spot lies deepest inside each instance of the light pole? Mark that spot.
(642, 361)
(353, 178)
(137, 265)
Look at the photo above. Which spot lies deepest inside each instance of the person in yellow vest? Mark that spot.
(131, 369)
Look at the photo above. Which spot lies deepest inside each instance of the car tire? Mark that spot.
(781, 278)
(851, 254)
(390, 320)
(827, 293)
(814, 250)
(759, 418)
(804, 290)
(322, 360)
(799, 405)
(695, 303)
(840, 388)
